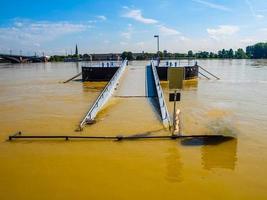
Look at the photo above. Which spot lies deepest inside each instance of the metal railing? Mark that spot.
(104, 96)
(102, 64)
(163, 107)
(177, 63)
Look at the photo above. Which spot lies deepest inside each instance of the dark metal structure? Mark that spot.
(19, 135)
(98, 73)
(190, 72)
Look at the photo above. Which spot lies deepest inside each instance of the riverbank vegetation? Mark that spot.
(257, 51)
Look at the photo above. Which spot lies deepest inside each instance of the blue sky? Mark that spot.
(99, 26)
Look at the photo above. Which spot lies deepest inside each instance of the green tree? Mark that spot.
(231, 53)
(56, 58)
(257, 51)
(127, 55)
(223, 53)
(161, 55)
(240, 54)
(190, 54)
(202, 54)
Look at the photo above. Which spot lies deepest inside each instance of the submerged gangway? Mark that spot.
(165, 117)
(126, 89)
(104, 96)
(137, 81)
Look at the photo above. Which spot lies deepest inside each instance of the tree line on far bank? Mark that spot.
(256, 51)
(74, 57)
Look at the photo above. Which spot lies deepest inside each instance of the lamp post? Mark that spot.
(157, 36)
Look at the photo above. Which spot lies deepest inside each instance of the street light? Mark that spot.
(157, 36)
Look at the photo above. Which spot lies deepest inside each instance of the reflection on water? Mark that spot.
(77, 67)
(190, 84)
(223, 155)
(174, 165)
(93, 86)
(259, 63)
(216, 152)
(207, 140)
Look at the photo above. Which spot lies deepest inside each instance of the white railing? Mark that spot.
(102, 64)
(104, 96)
(177, 63)
(163, 107)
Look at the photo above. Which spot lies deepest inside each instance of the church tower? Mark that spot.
(76, 50)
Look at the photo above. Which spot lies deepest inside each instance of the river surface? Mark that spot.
(34, 100)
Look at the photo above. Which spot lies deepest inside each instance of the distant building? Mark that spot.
(76, 50)
(108, 56)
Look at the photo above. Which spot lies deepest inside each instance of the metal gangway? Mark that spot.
(165, 117)
(104, 96)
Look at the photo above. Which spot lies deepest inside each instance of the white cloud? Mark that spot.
(101, 17)
(222, 31)
(258, 16)
(136, 14)
(167, 31)
(33, 34)
(247, 40)
(213, 5)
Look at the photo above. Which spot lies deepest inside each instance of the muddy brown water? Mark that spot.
(33, 100)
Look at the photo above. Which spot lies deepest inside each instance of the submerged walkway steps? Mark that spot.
(165, 117)
(105, 95)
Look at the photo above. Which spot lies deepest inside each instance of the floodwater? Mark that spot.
(34, 100)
